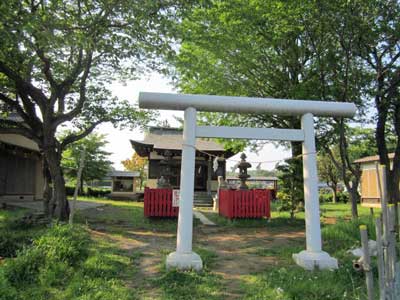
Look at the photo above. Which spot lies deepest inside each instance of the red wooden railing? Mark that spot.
(158, 203)
(245, 203)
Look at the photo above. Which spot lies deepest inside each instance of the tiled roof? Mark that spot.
(171, 139)
(123, 174)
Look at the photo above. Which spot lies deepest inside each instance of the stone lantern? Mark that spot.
(243, 166)
(166, 172)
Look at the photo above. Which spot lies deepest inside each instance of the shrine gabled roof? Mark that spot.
(160, 138)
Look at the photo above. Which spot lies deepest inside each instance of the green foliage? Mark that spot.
(96, 164)
(290, 181)
(11, 241)
(295, 283)
(346, 234)
(328, 197)
(63, 264)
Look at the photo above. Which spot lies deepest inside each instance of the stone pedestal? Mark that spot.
(184, 261)
(315, 260)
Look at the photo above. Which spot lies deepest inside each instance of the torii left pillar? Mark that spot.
(184, 258)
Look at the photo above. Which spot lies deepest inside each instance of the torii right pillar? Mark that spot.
(313, 256)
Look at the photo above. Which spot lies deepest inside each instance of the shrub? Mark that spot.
(12, 241)
(325, 197)
(343, 197)
(49, 257)
(64, 243)
(24, 268)
(97, 192)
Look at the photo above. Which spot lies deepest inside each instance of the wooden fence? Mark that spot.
(158, 203)
(245, 203)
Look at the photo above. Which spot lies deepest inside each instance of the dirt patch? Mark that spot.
(236, 250)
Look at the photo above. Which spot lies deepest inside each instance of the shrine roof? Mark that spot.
(165, 138)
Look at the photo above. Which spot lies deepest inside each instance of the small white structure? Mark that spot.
(123, 184)
(313, 256)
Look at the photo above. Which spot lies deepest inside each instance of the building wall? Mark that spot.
(369, 188)
(21, 174)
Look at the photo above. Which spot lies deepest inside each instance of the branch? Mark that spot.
(46, 68)
(35, 93)
(82, 96)
(76, 137)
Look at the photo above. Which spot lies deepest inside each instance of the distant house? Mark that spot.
(21, 175)
(165, 144)
(124, 184)
(369, 185)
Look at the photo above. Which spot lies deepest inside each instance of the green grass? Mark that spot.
(64, 263)
(105, 271)
(205, 284)
(125, 213)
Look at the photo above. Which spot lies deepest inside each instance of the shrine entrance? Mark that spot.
(313, 256)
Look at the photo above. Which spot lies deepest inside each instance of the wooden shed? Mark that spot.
(21, 175)
(124, 184)
(369, 184)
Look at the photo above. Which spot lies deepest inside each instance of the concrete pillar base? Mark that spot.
(184, 261)
(311, 260)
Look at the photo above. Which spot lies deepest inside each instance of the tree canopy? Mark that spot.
(344, 51)
(57, 59)
(136, 163)
(96, 159)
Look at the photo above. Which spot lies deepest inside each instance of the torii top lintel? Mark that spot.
(245, 104)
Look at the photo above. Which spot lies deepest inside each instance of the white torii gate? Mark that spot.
(313, 256)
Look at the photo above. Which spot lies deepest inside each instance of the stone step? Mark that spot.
(203, 199)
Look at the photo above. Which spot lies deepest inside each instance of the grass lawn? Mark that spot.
(122, 256)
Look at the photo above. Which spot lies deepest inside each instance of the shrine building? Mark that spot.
(162, 146)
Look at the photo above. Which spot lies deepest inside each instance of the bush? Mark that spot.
(328, 197)
(97, 192)
(325, 197)
(343, 197)
(12, 241)
(24, 268)
(64, 243)
(50, 256)
(89, 191)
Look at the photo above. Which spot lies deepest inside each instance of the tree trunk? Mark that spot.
(334, 194)
(81, 186)
(58, 206)
(47, 189)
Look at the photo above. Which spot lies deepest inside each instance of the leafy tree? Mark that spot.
(96, 164)
(290, 185)
(377, 27)
(57, 59)
(136, 163)
(328, 173)
(281, 49)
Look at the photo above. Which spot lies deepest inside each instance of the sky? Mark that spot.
(118, 140)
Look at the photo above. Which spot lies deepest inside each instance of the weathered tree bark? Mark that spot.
(58, 205)
(47, 190)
